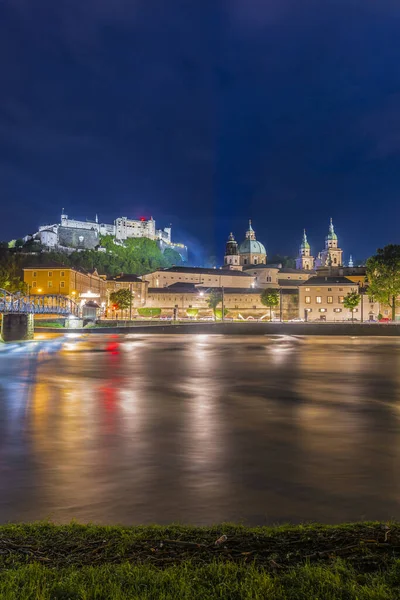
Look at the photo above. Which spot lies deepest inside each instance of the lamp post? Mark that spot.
(130, 302)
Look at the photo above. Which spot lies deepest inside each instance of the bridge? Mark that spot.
(43, 304)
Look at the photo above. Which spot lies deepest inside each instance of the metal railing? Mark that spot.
(46, 304)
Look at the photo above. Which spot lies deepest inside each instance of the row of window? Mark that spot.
(324, 310)
(49, 274)
(329, 299)
(318, 289)
(49, 284)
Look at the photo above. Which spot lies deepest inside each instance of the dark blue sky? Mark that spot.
(204, 114)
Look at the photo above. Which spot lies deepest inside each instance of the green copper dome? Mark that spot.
(251, 247)
(250, 244)
(331, 235)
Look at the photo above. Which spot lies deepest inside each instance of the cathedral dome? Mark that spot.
(251, 247)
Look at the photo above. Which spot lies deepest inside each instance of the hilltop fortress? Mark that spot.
(85, 235)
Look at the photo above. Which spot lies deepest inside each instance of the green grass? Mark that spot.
(309, 562)
(39, 323)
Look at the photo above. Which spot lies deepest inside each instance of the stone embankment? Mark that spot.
(337, 329)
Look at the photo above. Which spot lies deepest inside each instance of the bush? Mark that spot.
(192, 312)
(218, 313)
(149, 312)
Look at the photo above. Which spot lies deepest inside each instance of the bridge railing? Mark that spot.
(47, 304)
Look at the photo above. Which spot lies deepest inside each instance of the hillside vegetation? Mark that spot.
(136, 255)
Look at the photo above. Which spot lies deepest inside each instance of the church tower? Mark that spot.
(305, 260)
(232, 257)
(332, 255)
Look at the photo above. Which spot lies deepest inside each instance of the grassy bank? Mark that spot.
(44, 562)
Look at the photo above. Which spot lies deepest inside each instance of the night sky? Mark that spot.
(203, 114)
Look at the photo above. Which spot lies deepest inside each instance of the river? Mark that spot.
(200, 429)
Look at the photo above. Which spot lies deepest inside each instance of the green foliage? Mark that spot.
(75, 562)
(383, 272)
(172, 257)
(214, 298)
(149, 312)
(121, 298)
(192, 312)
(270, 297)
(286, 261)
(11, 274)
(134, 256)
(351, 301)
(218, 313)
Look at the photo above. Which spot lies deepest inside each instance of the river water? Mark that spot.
(200, 429)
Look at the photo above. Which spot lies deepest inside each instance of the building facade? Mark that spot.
(322, 299)
(198, 276)
(76, 284)
(136, 285)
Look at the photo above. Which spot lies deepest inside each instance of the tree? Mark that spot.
(10, 276)
(270, 297)
(173, 257)
(351, 301)
(383, 273)
(214, 298)
(122, 298)
(286, 261)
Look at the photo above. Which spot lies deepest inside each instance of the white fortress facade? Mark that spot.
(122, 228)
(86, 234)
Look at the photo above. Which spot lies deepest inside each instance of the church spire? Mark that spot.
(351, 264)
(250, 233)
(304, 243)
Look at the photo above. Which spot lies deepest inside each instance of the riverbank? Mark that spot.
(248, 328)
(357, 561)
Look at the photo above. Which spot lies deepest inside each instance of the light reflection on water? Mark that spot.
(200, 429)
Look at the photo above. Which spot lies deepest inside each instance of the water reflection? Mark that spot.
(199, 429)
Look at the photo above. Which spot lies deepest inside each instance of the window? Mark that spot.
(245, 261)
(34, 274)
(49, 284)
(329, 289)
(340, 299)
(308, 299)
(330, 299)
(33, 284)
(318, 299)
(322, 310)
(337, 310)
(307, 289)
(62, 274)
(340, 289)
(50, 273)
(62, 284)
